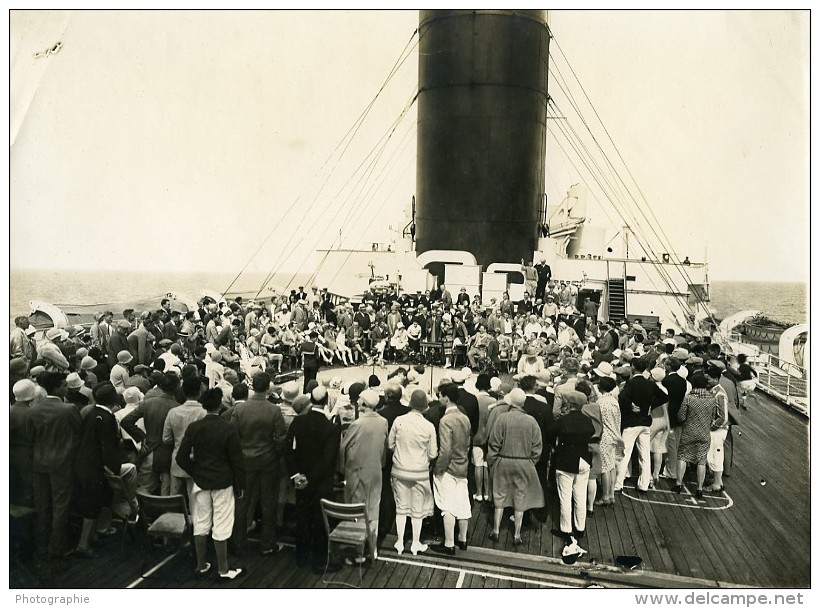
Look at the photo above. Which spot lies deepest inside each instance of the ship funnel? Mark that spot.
(482, 121)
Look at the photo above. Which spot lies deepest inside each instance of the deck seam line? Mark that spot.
(473, 572)
(145, 575)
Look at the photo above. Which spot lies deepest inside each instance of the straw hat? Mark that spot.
(24, 390)
(73, 380)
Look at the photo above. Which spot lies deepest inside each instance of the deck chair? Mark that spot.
(165, 517)
(351, 530)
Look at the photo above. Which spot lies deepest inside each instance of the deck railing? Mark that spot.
(781, 379)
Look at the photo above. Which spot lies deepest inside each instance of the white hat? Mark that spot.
(543, 378)
(73, 380)
(318, 394)
(604, 369)
(516, 397)
(658, 374)
(370, 398)
(132, 395)
(24, 390)
(495, 383)
(290, 390)
(56, 333)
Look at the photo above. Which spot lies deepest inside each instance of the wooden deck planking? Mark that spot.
(768, 543)
(763, 539)
(436, 580)
(410, 577)
(382, 579)
(642, 536)
(662, 556)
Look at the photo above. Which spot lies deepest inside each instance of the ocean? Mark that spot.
(785, 302)
(780, 301)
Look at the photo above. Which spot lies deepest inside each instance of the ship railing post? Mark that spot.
(769, 369)
(788, 381)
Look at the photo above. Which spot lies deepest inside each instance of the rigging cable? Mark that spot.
(662, 272)
(594, 177)
(669, 286)
(667, 244)
(384, 141)
(280, 259)
(403, 55)
(373, 215)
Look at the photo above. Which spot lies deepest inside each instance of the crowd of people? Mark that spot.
(171, 402)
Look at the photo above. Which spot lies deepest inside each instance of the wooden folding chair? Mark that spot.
(121, 509)
(165, 517)
(351, 530)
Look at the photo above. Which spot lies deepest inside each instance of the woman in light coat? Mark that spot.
(363, 450)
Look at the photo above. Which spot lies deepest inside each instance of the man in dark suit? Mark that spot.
(467, 402)
(219, 476)
(311, 451)
(56, 428)
(155, 465)
(118, 341)
(170, 330)
(98, 451)
(536, 406)
(544, 275)
(261, 428)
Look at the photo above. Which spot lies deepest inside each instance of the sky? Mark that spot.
(211, 140)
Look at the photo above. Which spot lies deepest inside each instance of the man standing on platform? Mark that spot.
(544, 275)
(309, 352)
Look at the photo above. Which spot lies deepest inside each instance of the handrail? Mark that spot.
(789, 386)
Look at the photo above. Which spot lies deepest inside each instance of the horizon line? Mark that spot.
(805, 280)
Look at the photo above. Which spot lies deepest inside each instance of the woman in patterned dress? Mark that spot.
(696, 413)
(610, 437)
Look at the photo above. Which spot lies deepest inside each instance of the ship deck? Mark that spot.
(754, 534)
